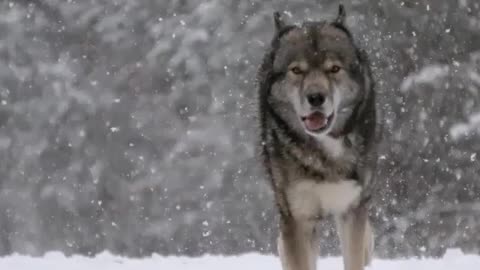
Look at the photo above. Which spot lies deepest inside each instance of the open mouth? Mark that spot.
(317, 121)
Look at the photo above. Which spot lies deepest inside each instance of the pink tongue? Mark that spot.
(315, 121)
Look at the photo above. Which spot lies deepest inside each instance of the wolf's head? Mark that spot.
(315, 75)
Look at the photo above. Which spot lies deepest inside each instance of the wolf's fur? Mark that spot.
(317, 173)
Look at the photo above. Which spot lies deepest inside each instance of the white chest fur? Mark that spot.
(308, 198)
(333, 146)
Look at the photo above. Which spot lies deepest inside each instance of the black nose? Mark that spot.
(315, 99)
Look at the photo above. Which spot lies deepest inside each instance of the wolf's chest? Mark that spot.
(333, 147)
(310, 199)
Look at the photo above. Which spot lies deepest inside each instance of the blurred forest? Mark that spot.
(129, 125)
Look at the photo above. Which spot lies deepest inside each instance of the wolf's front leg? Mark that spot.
(297, 245)
(356, 238)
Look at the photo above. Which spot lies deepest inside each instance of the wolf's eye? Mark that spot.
(334, 69)
(296, 70)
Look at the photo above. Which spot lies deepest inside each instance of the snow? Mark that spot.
(453, 259)
(462, 129)
(427, 74)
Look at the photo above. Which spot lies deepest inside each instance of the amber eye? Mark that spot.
(296, 70)
(334, 69)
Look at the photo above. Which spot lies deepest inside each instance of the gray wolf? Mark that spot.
(318, 134)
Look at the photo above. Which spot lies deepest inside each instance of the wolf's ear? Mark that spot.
(279, 23)
(341, 15)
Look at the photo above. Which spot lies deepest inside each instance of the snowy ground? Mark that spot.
(452, 260)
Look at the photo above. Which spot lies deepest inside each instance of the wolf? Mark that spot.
(318, 136)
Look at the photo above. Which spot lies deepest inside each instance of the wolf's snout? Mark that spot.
(316, 100)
